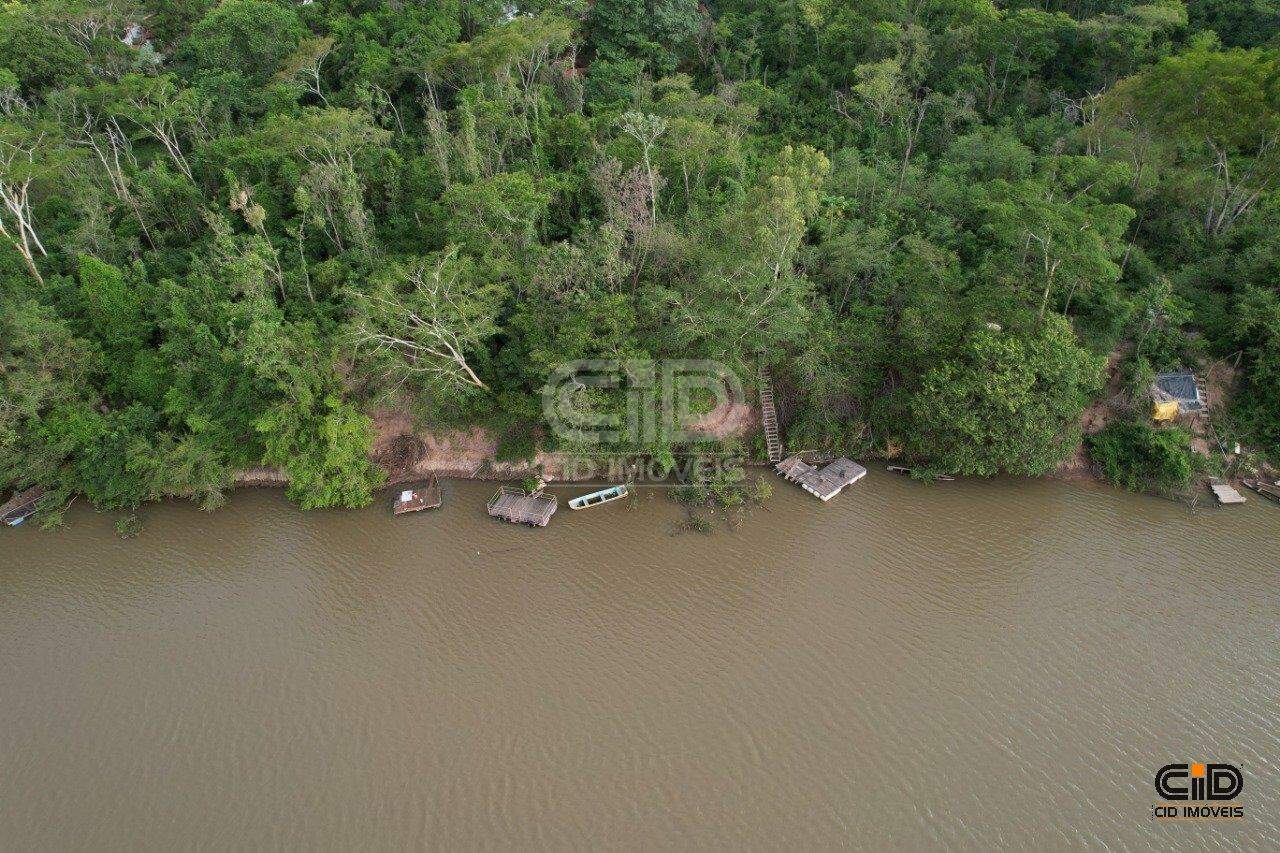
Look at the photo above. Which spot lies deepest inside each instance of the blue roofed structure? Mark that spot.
(1182, 388)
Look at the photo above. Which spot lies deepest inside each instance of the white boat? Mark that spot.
(21, 507)
(603, 496)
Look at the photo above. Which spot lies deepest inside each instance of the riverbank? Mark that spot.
(406, 457)
(407, 453)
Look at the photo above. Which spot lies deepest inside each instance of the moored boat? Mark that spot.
(603, 496)
(1267, 490)
(22, 506)
(906, 472)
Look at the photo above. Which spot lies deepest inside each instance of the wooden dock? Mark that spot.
(425, 496)
(1224, 492)
(823, 483)
(519, 508)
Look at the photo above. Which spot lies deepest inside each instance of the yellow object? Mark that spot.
(1165, 411)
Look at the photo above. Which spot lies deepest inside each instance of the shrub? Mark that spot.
(1139, 458)
(518, 444)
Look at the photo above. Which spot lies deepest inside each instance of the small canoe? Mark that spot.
(423, 497)
(603, 496)
(906, 472)
(22, 506)
(1264, 489)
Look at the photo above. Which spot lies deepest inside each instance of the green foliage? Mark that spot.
(1239, 23)
(246, 38)
(325, 452)
(1220, 109)
(129, 527)
(1011, 402)
(717, 486)
(611, 83)
(44, 369)
(41, 57)
(494, 215)
(519, 443)
(697, 524)
(171, 21)
(1260, 330)
(651, 31)
(233, 247)
(1141, 458)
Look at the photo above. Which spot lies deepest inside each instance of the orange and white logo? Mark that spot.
(1203, 788)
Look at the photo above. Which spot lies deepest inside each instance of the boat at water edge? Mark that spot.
(603, 496)
(22, 506)
(1267, 490)
(906, 472)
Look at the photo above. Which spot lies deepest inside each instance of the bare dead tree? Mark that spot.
(113, 150)
(431, 331)
(1233, 196)
(256, 218)
(646, 129)
(17, 220)
(155, 110)
(382, 96)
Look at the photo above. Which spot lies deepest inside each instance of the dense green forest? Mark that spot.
(232, 230)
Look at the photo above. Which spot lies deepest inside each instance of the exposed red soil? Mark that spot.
(728, 420)
(1095, 417)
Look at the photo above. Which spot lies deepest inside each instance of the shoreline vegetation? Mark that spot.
(731, 499)
(347, 241)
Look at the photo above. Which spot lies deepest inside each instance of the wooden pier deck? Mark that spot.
(823, 483)
(520, 508)
(425, 496)
(1225, 493)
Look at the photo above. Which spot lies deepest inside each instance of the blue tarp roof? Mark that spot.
(1179, 386)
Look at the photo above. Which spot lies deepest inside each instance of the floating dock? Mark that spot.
(1225, 493)
(426, 496)
(519, 508)
(823, 483)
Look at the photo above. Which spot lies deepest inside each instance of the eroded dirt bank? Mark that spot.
(407, 452)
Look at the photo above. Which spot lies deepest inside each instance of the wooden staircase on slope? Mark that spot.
(769, 418)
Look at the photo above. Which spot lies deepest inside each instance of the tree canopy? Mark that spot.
(233, 232)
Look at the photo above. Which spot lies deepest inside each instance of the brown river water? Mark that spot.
(965, 665)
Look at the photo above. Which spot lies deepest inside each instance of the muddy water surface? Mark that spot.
(964, 664)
